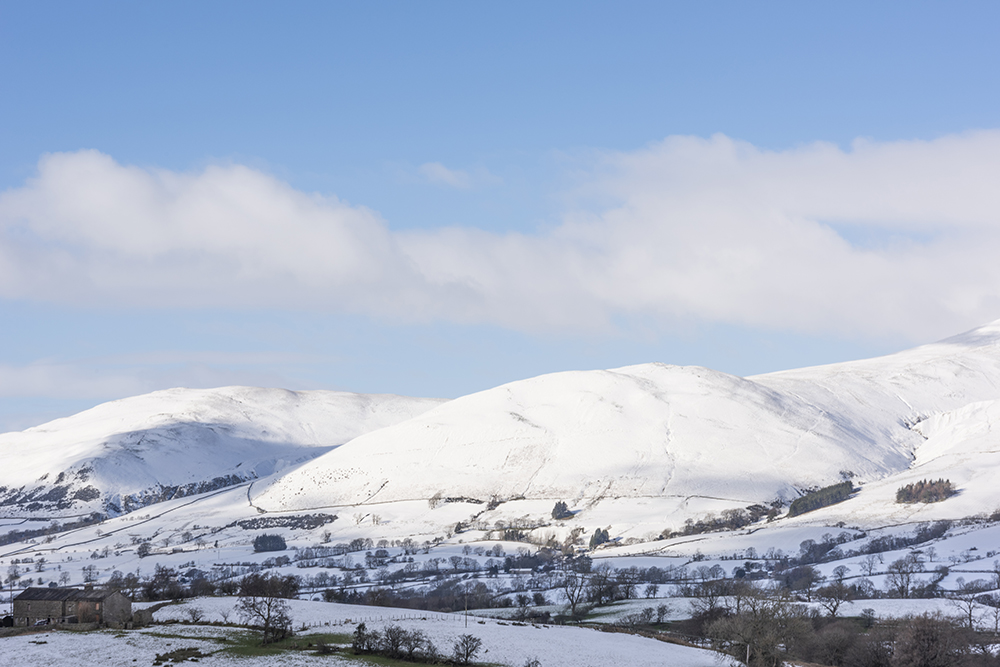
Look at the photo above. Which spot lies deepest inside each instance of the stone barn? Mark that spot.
(71, 605)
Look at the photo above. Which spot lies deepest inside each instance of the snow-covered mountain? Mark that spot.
(636, 450)
(127, 454)
(678, 440)
(661, 431)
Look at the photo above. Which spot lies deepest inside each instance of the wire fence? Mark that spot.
(394, 618)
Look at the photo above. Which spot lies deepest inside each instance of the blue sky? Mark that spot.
(436, 198)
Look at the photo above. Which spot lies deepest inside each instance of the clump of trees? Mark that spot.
(394, 642)
(301, 522)
(561, 511)
(828, 495)
(599, 537)
(925, 491)
(53, 529)
(730, 519)
(761, 628)
(267, 542)
(924, 533)
(399, 643)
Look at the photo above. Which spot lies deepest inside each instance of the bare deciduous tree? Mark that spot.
(269, 613)
(465, 649)
(574, 587)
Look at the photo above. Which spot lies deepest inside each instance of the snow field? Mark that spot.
(503, 642)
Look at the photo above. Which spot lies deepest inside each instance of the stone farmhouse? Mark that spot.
(71, 605)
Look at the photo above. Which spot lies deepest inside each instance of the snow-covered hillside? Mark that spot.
(659, 431)
(126, 454)
(643, 447)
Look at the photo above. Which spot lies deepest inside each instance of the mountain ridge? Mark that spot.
(657, 430)
(126, 454)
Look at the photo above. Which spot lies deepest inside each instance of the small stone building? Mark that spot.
(71, 605)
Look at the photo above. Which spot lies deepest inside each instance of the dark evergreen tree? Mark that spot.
(267, 542)
(599, 537)
(828, 495)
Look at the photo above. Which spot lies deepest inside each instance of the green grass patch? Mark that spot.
(179, 655)
(172, 635)
(369, 659)
(248, 643)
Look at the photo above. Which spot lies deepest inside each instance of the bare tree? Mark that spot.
(833, 596)
(574, 587)
(928, 641)
(760, 634)
(965, 600)
(902, 579)
(465, 649)
(709, 596)
(268, 612)
(415, 641)
(662, 611)
(435, 501)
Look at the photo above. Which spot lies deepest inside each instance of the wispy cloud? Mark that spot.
(108, 377)
(67, 380)
(460, 179)
(437, 173)
(688, 228)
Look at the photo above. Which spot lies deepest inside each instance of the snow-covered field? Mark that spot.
(504, 643)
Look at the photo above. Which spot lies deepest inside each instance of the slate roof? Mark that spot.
(59, 594)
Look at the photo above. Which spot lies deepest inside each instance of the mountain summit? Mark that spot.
(126, 454)
(658, 431)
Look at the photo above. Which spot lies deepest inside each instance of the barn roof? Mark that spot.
(58, 594)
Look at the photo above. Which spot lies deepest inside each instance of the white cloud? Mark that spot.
(87, 229)
(686, 229)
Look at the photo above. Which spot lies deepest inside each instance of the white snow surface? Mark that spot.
(669, 432)
(503, 642)
(186, 436)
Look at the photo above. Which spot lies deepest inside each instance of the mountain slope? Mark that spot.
(962, 446)
(656, 430)
(126, 454)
